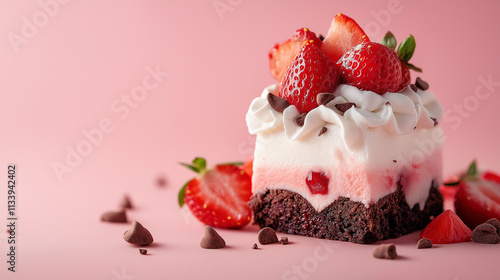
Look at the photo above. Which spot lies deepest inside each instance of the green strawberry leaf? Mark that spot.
(237, 163)
(389, 41)
(472, 171)
(199, 165)
(181, 194)
(406, 49)
(413, 67)
(452, 184)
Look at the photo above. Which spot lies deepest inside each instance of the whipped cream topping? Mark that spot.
(398, 113)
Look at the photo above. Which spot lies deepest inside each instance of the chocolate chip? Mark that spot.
(212, 240)
(267, 235)
(284, 240)
(424, 243)
(435, 121)
(143, 251)
(495, 223)
(342, 107)
(485, 233)
(255, 246)
(161, 182)
(413, 87)
(388, 103)
(395, 160)
(323, 131)
(114, 216)
(138, 235)
(277, 103)
(299, 120)
(324, 98)
(421, 84)
(125, 202)
(385, 251)
(321, 37)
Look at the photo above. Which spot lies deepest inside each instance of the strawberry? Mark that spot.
(283, 53)
(310, 73)
(404, 51)
(478, 197)
(218, 197)
(446, 228)
(343, 35)
(371, 66)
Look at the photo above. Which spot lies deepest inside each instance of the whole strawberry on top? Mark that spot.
(478, 196)
(310, 73)
(218, 197)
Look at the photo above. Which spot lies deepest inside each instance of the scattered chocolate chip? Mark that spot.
(299, 120)
(138, 235)
(394, 160)
(321, 37)
(424, 243)
(413, 87)
(126, 203)
(255, 246)
(421, 84)
(485, 233)
(143, 251)
(114, 216)
(212, 240)
(284, 240)
(267, 235)
(435, 121)
(324, 98)
(161, 182)
(278, 103)
(323, 131)
(495, 223)
(385, 251)
(342, 107)
(8, 231)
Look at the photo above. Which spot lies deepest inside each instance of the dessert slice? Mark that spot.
(344, 150)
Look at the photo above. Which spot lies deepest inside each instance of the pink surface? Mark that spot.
(135, 87)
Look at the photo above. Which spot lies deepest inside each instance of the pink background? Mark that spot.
(72, 61)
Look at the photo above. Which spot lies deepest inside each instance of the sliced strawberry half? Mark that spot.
(218, 197)
(446, 228)
(343, 35)
(282, 54)
(478, 197)
(248, 167)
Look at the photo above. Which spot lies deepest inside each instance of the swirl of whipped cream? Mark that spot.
(398, 113)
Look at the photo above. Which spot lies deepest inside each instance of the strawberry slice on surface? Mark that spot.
(447, 228)
(282, 54)
(218, 197)
(343, 35)
(310, 73)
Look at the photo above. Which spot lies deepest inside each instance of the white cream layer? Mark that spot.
(365, 151)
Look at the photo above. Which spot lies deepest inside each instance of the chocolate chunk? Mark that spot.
(161, 182)
(485, 233)
(277, 103)
(421, 84)
(342, 107)
(323, 131)
(284, 240)
(138, 235)
(413, 87)
(143, 251)
(495, 223)
(424, 243)
(395, 160)
(324, 98)
(321, 37)
(267, 235)
(299, 120)
(212, 240)
(114, 216)
(126, 203)
(435, 121)
(385, 251)
(255, 246)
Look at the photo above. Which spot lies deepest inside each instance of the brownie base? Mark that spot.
(346, 220)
